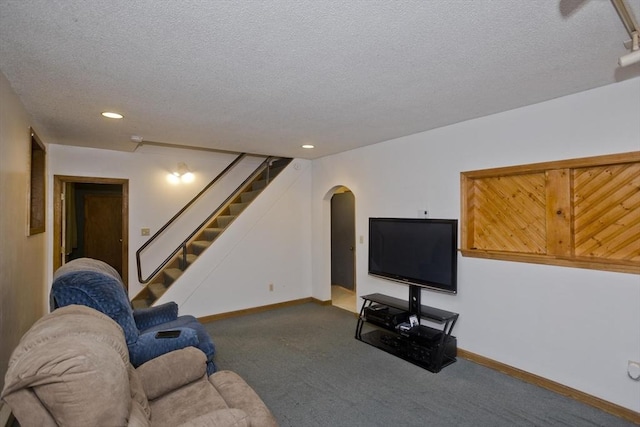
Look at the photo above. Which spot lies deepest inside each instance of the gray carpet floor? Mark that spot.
(310, 370)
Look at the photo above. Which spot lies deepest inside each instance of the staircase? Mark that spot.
(206, 235)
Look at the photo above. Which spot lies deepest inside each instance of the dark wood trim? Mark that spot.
(254, 310)
(58, 185)
(556, 224)
(578, 395)
(620, 266)
(260, 309)
(37, 188)
(583, 162)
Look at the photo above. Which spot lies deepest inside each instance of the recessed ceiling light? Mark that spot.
(112, 115)
(308, 146)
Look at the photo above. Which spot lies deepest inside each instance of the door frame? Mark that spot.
(326, 209)
(352, 213)
(59, 182)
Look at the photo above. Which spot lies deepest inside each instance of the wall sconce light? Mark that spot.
(182, 173)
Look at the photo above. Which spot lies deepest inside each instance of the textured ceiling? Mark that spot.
(268, 76)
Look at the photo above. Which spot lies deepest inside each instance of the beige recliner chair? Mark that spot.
(72, 369)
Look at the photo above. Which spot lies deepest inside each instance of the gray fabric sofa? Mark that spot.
(72, 369)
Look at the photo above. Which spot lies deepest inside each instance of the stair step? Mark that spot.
(171, 275)
(224, 220)
(236, 208)
(259, 184)
(212, 232)
(157, 289)
(281, 162)
(199, 246)
(139, 303)
(275, 171)
(248, 196)
(209, 234)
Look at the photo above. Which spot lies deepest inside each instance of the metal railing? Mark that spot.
(183, 245)
(175, 217)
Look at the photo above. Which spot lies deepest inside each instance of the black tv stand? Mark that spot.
(424, 346)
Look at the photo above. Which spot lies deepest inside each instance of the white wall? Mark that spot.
(152, 199)
(22, 257)
(577, 327)
(573, 326)
(270, 243)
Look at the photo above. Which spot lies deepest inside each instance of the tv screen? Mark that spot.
(419, 252)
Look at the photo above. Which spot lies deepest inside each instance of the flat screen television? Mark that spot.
(418, 252)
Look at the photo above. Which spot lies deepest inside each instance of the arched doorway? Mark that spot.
(343, 249)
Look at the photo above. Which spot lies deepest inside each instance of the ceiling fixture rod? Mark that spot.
(632, 28)
(627, 18)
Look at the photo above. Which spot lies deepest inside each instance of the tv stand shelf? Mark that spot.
(424, 346)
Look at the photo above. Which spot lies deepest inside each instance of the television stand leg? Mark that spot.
(415, 305)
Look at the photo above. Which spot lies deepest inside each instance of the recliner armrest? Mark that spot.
(148, 346)
(170, 371)
(220, 417)
(146, 318)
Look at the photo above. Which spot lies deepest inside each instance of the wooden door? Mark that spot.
(103, 228)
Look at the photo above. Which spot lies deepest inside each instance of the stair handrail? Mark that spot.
(176, 216)
(183, 246)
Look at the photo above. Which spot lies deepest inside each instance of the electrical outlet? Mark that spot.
(270, 287)
(145, 231)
